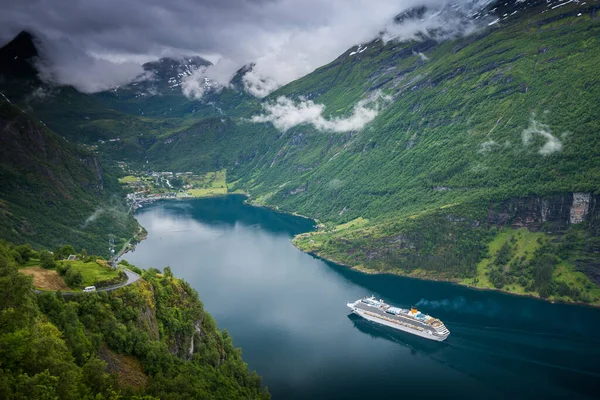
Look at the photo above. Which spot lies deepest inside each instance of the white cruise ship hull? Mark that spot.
(425, 334)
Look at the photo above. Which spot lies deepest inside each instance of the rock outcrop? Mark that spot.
(551, 213)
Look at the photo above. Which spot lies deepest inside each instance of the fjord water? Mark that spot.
(287, 311)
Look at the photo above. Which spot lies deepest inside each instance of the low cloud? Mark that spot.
(536, 128)
(439, 21)
(93, 217)
(61, 62)
(112, 210)
(258, 85)
(285, 39)
(285, 113)
(487, 147)
(212, 77)
(422, 56)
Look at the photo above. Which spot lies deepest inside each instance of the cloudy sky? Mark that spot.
(95, 45)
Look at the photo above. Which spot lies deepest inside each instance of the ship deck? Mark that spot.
(382, 313)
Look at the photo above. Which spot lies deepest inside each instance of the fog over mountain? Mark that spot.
(98, 45)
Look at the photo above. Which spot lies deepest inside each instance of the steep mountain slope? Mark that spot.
(152, 339)
(466, 133)
(464, 126)
(473, 121)
(77, 116)
(53, 192)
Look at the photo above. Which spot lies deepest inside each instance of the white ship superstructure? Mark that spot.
(411, 321)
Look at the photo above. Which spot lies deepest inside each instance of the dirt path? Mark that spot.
(46, 279)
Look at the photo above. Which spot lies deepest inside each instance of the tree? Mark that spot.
(542, 271)
(25, 252)
(73, 278)
(168, 273)
(504, 254)
(64, 251)
(47, 260)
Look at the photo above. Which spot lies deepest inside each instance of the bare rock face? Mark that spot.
(580, 207)
(552, 213)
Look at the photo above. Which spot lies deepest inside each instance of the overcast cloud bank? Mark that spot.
(96, 45)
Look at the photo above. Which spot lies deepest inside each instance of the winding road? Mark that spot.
(132, 277)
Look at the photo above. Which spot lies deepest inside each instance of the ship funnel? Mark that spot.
(413, 310)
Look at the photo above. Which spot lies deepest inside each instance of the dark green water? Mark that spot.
(287, 310)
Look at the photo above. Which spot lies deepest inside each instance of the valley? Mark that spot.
(460, 128)
(447, 160)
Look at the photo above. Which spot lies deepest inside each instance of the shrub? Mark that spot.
(63, 268)
(545, 291)
(25, 251)
(17, 257)
(136, 269)
(47, 260)
(497, 278)
(73, 278)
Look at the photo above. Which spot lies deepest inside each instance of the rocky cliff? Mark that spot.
(552, 214)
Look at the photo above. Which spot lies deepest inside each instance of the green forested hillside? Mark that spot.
(501, 114)
(53, 192)
(149, 340)
(474, 134)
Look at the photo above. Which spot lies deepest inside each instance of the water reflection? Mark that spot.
(228, 211)
(287, 310)
(415, 344)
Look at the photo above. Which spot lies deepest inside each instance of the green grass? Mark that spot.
(526, 242)
(93, 272)
(129, 179)
(209, 192)
(524, 246)
(210, 184)
(565, 272)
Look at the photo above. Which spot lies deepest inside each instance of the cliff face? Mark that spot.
(551, 214)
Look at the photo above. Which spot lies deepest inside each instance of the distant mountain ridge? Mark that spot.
(163, 75)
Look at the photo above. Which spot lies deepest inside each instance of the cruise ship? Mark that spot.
(411, 321)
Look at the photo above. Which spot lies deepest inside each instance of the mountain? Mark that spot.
(467, 154)
(138, 114)
(172, 71)
(54, 192)
(157, 92)
(18, 56)
(476, 139)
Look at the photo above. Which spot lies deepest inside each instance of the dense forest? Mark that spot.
(53, 191)
(149, 340)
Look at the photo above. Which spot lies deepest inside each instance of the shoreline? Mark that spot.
(142, 234)
(362, 269)
(277, 210)
(365, 271)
